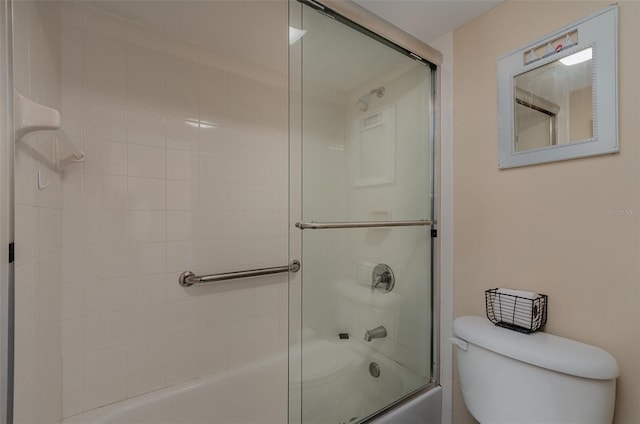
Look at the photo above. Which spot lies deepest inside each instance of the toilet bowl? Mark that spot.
(509, 377)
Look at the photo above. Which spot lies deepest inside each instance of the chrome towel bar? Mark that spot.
(188, 278)
(362, 224)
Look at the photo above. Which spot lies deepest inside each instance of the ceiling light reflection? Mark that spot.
(295, 34)
(581, 56)
(200, 124)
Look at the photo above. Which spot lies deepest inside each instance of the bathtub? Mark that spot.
(253, 394)
(257, 394)
(339, 388)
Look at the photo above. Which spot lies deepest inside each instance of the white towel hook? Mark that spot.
(42, 185)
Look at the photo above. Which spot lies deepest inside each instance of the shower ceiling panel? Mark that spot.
(340, 47)
(209, 23)
(237, 29)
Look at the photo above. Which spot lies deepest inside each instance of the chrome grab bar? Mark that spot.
(362, 224)
(188, 278)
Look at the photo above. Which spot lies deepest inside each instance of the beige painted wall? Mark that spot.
(568, 229)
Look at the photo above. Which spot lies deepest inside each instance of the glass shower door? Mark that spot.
(362, 197)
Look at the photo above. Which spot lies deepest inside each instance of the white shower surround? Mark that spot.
(160, 194)
(97, 365)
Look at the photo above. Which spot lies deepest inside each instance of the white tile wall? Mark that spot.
(157, 195)
(39, 297)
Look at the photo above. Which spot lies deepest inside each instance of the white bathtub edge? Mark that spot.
(423, 408)
(102, 412)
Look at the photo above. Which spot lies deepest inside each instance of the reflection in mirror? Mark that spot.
(536, 121)
(553, 104)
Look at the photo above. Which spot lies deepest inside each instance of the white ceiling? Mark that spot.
(428, 19)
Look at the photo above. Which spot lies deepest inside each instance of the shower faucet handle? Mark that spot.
(382, 278)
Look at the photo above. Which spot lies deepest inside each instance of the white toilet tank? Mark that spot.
(509, 377)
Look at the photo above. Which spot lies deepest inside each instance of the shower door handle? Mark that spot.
(363, 224)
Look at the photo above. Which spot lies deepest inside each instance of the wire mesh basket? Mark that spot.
(517, 313)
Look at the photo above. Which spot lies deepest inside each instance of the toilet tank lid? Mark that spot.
(540, 349)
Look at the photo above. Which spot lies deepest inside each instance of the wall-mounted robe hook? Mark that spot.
(42, 185)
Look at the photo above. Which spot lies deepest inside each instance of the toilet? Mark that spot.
(509, 377)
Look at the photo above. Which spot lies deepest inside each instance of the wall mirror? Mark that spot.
(557, 96)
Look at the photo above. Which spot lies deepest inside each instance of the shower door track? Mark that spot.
(362, 224)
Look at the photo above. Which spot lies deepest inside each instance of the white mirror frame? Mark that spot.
(599, 31)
